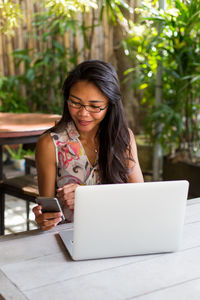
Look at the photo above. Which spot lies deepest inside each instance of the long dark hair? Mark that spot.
(114, 137)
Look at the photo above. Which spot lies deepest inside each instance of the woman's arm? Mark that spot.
(136, 173)
(46, 166)
(46, 171)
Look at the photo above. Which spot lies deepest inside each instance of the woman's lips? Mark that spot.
(84, 123)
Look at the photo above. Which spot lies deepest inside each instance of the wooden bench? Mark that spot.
(29, 162)
(23, 187)
(20, 128)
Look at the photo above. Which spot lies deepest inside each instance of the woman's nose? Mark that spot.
(83, 111)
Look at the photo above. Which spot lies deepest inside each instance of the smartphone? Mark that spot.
(50, 204)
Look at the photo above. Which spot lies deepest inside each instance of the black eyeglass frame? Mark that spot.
(85, 106)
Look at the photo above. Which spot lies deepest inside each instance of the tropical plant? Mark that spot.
(67, 7)
(10, 98)
(10, 16)
(45, 70)
(19, 153)
(39, 87)
(16, 154)
(175, 121)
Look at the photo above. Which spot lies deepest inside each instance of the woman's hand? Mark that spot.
(46, 221)
(66, 193)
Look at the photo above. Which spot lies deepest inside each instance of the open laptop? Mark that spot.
(126, 219)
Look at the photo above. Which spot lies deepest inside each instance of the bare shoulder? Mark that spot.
(132, 137)
(45, 139)
(45, 142)
(45, 146)
(46, 165)
(136, 173)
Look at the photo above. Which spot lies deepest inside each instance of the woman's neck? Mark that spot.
(90, 137)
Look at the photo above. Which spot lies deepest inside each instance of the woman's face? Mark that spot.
(86, 93)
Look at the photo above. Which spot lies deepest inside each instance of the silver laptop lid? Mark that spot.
(128, 219)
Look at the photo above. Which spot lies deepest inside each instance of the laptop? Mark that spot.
(126, 219)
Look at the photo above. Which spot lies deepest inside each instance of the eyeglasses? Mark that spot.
(90, 108)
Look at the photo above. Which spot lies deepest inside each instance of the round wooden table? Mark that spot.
(20, 128)
(23, 128)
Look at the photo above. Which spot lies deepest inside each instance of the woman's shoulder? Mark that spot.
(45, 150)
(132, 137)
(68, 133)
(132, 140)
(45, 140)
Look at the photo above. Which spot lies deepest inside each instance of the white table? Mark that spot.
(35, 265)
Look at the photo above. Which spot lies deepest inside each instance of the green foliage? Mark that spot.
(10, 98)
(19, 153)
(68, 8)
(114, 10)
(39, 88)
(10, 16)
(176, 48)
(45, 70)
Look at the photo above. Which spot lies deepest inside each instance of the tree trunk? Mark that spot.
(130, 102)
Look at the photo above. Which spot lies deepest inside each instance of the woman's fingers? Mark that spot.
(69, 203)
(67, 196)
(37, 210)
(66, 193)
(66, 189)
(46, 221)
(48, 224)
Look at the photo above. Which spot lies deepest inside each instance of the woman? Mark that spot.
(91, 144)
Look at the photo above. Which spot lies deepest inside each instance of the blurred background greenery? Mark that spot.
(41, 41)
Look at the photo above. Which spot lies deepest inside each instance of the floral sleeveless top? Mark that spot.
(73, 165)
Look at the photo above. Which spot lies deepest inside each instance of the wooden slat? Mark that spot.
(88, 19)
(1, 55)
(28, 22)
(100, 40)
(10, 58)
(23, 184)
(108, 38)
(78, 40)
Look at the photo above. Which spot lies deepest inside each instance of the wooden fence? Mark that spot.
(104, 41)
(100, 38)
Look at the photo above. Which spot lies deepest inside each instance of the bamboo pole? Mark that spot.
(1, 56)
(158, 151)
(5, 55)
(10, 58)
(136, 16)
(88, 21)
(22, 64)
(81, 40)
(78, 40)
(100, 39)
(111, 56)
(106, 37)
(66, 44)
(132, 4)
(94, 37)
(28, 22)
(20, 37)
(21, 45)
(33, 29)
(39, 32)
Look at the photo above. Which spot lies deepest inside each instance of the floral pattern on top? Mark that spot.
(73, 165)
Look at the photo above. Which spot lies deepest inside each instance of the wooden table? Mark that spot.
(35, 265)
(20, 128)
